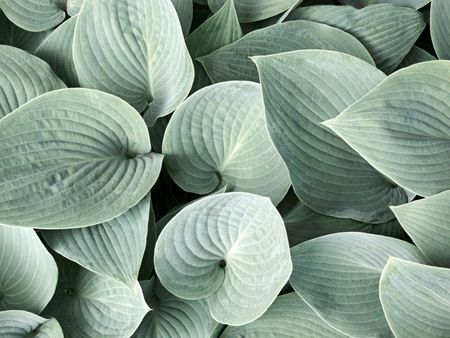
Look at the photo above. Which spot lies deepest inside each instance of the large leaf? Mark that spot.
(219, 30)
(402, 127)
(416, 299)
(73, 158)
(172, 316)
(338, 276)
(22, 324)
(387, 31)
(230, 249)
(28, 273)
(218, 137)
(416, 55)
(232, 62)
(22, 78)
(185, 9)
(137, 53)
(113, 249)
(89, 305)
(56, 49)
(427, 222)
(288, 316)
(255, 10)
(416, 4)
(440, 27)
(302, 89)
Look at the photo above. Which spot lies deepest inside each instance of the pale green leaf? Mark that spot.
(402, 127)
(28, 273)
(255, 10)
(289, 316)
(73, 158)
(73, 7)
(416, 4)
(338, 275)
(218, 137)
(416, 55)
(230, 249)
(416, 299)
(302, 89)
(427, 222)
(185, 11)
(22, 78)
(387, 31)
(113, 249)
(440, 27)
(22, 324)
(137, 53)
(232, 62)
(218, 31)
(172, 316)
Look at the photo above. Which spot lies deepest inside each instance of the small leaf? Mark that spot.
(230, 249)
(73, 7)
(146, 269)
(440, 27)
(416, 299)
(185, 11)
(416, 55)
(22, 324)
(218, 137)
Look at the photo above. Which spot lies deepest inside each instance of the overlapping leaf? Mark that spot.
(402, 127)
(440, 27)
(73, 158)
(416, 299)
(230, 249)
(185, 11)
(387, 31)
(134, 49)
(22, 324)
(232, 62)
(416, 55)
(28, 273)
(73, 7)
(338, 275)
(218, 137)
(416, 4)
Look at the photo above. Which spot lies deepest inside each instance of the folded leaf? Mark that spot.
(72, 158)
(402, 127)
(218, 137)
(230, 249)
(416, 299)
(338, 275)
(28, 273)
(22, 324)
(440, 27)
(233, 62)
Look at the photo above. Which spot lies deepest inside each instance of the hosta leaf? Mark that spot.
(218, 137)
(147, 64)
(338, 276)
(22, 324)
(146, 269)
(185, 9)
(73, 7)
(232, 62)
(28, 273)
(427, 222)
(231, 249)
(288, 316)
(416, 299)
(22, 78)
(56, 49)
(440, 27)
(254, 10)
(219, 30)
(387, 31)
(172, 316)
(73, 158)
(302, 89)
(416, 55)
(416, 4)
(113, 249)
(89, 305)
(402, 127)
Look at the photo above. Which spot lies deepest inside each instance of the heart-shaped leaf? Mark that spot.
(416, 55)
(440, 27)
(218, 137)
(387, 31)
(73, 158)
(416, 4)
(22, 78)
(302, 89)
(22, 324)
(338, 275)
(416, 299)
(172, 316)
(137, 53)
(28, 273)
(232, 62)
(185, 9)
(230, 249)
(402, 127)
